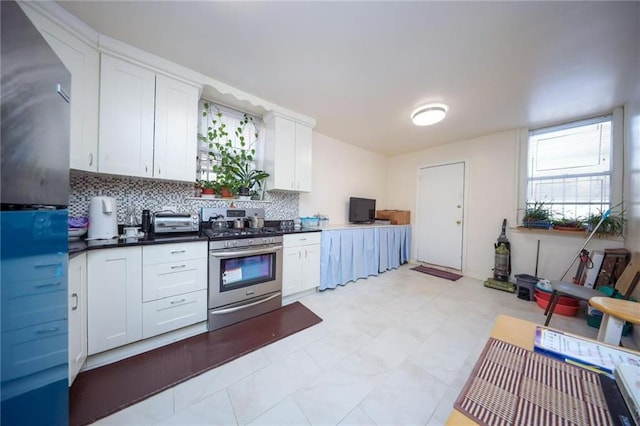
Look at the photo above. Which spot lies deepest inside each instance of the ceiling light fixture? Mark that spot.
(429, 114)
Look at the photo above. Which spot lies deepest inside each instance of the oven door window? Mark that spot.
(245, 271)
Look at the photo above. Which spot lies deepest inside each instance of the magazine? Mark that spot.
(583, 352)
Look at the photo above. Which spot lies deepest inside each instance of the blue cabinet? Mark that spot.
(353, 253)
(34, 328)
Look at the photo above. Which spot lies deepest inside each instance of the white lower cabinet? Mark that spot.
(163, 315)
(77, 314)
(301, 262)
(174, 286)
(114, 298)
(139, 292)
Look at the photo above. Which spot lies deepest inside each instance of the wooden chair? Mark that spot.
(625, 286)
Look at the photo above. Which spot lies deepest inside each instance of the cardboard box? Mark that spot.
(397, 217)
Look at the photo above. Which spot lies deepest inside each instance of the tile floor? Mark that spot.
(394, 349)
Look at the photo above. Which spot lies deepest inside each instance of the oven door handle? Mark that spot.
(248, 305)
(245, 252)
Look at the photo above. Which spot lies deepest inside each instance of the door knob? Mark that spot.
(458, 222)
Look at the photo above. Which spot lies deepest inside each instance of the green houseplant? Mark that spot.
(246, 178)
(612, 225)
(568, 223)
(231, 164)
(208, 187)
(537, 215)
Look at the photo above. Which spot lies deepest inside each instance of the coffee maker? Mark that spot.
(103, 218)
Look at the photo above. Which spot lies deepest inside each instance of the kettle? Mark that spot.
(103, 218)
(218, 223)
(256, 222)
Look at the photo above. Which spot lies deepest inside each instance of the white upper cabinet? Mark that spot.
(176, 128)
(148, 123)
(287, 154)
(82, 60)
(127, 102)
(303, 157)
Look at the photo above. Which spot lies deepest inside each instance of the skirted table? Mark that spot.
(350, 253)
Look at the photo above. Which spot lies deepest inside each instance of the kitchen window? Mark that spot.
(232, 119)
(575, 168)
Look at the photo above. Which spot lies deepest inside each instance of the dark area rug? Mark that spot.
(102, 391)
(437, 273)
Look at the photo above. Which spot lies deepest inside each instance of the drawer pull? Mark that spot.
(178, 266)
(47, 330)
(177, 251)
(303, 239)
(56, 284)
(175, 302)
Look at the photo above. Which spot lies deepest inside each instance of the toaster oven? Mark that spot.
(164, 222)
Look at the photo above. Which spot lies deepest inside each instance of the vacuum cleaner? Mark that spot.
(502, 264)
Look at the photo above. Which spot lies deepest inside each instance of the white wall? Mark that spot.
(341, 171)
(491, 165)
(632, 170)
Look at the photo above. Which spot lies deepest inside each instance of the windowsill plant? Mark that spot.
(231, 164)
(568, 224)
(612, 225)
(537, 216)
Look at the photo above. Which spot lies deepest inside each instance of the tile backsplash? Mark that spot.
(155, 195)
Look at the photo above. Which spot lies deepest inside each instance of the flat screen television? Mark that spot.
(362, 210)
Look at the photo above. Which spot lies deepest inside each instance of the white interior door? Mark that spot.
(440, 214)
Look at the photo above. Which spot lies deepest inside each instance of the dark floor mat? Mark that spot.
(437, 273)
(102, 391)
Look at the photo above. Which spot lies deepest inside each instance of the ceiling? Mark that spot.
(361, 68)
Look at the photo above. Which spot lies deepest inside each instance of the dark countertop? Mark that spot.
(81, 246)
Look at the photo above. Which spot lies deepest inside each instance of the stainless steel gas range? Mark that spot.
(245, 266)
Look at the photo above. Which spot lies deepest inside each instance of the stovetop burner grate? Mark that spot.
(222, 234)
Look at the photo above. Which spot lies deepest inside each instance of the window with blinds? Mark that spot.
(569, 167)
(232, 120)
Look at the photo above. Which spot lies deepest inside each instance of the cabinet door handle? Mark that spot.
(305, 253)
(75, 297)
(159, 171)
(91, 158)
(56, 284)
(178, 266)
(146, 168)
(47, 330)
(48, 265)
(299, 254)
(63, 93)
(175, 302)
(177, 251)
